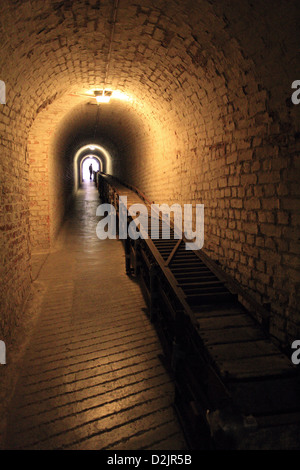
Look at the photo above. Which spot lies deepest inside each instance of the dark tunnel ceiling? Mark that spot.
(107, 125)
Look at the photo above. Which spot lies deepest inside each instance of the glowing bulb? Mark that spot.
(102, 99)
(91, 147)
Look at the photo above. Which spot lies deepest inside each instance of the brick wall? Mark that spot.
(15, 274)
(209, 120)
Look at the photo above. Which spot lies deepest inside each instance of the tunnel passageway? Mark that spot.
(200, 111)
(92, 378)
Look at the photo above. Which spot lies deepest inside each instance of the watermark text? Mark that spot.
(296, 354)
(2, 92)
(159, 214)
(2, 353)
(296, 95)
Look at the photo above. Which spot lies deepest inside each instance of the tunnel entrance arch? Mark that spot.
(84, 166)
(98, 152)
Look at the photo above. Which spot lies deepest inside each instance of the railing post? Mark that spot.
(178, 353)
(127, 256)
(153, 292)
(137, 257)
(128, 251)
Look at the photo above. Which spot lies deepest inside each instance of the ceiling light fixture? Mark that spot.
(103, 96)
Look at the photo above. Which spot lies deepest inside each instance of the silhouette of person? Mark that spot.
(91, 170)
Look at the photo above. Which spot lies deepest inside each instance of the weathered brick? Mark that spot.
(196, 123)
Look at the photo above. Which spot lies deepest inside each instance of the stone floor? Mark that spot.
(92, 378)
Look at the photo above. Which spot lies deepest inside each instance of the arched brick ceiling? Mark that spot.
(163, 53)
(210, 120)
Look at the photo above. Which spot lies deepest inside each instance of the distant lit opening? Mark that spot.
(86, 165)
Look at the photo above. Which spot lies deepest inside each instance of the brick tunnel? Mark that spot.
(201, 111)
